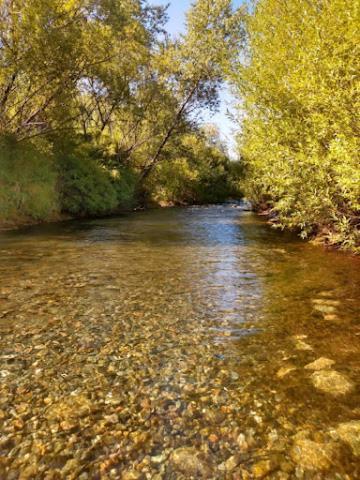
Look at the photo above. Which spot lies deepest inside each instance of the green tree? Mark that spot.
(194, 66)
(299, 85)
(98, 88)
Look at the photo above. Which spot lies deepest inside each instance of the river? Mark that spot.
(177, 344)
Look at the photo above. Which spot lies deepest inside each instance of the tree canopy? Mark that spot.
(101, 81)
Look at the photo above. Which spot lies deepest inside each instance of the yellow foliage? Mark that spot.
(300, 141)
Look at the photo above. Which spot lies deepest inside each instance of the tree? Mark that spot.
(300, 89)
(193, 67)
(82, 62)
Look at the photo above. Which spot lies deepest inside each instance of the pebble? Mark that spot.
(230, 464)
(321, 363)
(300, 344)
(332, 382)
(262, 468)
(190, 461)
(311, 455)
(349, 432)
(284, 371)
(242, 443)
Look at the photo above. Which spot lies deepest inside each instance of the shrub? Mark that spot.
(86, 188)
(300, 136)
(27, 181)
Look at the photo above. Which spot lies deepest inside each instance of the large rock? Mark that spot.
(330, 381)
(321, 363)
(312, 455)
(191, 462)
(349, 433)
(71, 407)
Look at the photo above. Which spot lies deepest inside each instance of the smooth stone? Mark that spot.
(242, 442)
(311, 455)
(285, 371)
(301, 345)
(331, 381)
(349, 433)
(321, 363)
(73, 406)
(326, 301)
(325, 308)
(331, 317)
(190, 461)
(70, 467)
(230, 464)
(262, 469)
(28, 473)
(214, 416)
(131, 475)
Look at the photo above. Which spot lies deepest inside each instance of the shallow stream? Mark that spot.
(177, 344)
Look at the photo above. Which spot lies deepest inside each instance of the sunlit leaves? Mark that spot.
(301, 93)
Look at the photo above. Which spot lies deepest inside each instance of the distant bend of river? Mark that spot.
(177, 344)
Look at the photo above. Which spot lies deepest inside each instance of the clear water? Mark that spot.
(125, 339)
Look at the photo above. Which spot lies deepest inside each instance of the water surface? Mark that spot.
(172, 344)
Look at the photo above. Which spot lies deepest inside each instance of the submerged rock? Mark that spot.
(327, 309)
(242, 442)
(325, 306)
(131, 475)
(300, 344)
(190, 462)
(311, 455)
(349, 433)
(230, 464)
(326, 301)
(331, 381)
(331, 317)
(283, 371)
(321, 363)
(262, 468)
(71, 407)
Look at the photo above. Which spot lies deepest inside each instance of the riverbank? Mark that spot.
(325, 236)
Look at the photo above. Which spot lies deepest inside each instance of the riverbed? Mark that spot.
(177, 344)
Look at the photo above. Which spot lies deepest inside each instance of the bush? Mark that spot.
(125, 182)
(300, 136)
(85, 187)
(196, 172)
(88, 188)
(27, 181)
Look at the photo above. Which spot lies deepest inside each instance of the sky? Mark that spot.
(176, 25)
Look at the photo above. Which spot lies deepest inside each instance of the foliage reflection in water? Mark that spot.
(177, 344)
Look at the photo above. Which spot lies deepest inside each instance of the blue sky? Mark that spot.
(176, 23)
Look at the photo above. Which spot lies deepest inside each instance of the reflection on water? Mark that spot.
(177, 344)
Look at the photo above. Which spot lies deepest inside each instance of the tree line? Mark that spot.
(98, 105)
(99, 109)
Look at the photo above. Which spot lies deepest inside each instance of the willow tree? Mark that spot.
(90, 84)
(193, 67)
(300, 139)
(64, 61)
